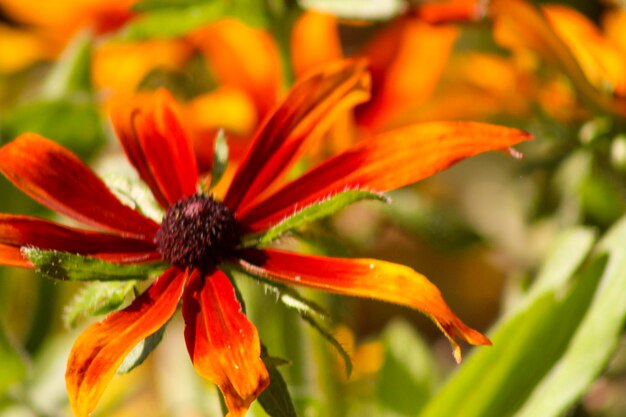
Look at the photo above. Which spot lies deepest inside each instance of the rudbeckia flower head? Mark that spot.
(199, 234)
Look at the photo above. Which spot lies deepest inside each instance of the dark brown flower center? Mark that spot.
(198, 232)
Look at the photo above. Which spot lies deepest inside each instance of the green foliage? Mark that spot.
(97, 298)
(12, 364)
(314, 212)
(554, 344)
(140, 352)
(408, 376)
(166, 19)
(275, 399)
(67, 267)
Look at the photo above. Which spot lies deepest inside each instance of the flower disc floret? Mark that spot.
(198, 232)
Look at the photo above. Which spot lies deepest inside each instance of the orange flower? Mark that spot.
(49, 25)
(199, 234)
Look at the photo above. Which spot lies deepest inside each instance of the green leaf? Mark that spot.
(136, 194)
(408, 376)
(147, 5)
(496, 381)
(275, 399)
(326, 334)
(314, 212)
(357, 9)
(72, 71)
(11, 363)
(220, 158)
(140, 352)
(595, 340)
(95, 299)
(84, 135)
(170, 22)
(69, 267)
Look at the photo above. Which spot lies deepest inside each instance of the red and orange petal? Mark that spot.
(18, 231)
(242, 57)
(158, 146)
(59, 180)
(99, 351)
(307, 110)
(450, 11)
(223, 344)
(387, 161)
(407, 60)
(368, 278)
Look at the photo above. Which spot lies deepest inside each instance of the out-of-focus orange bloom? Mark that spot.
(569, 41)
(244, 61)
(49, 25)
(406, 59)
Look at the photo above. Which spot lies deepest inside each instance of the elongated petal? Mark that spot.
(365, 278)
(388, 161)
(99, 350)
(17, 231)
(157, 144)
(223, 344)
(394, 54)
(242, 57)
(307, 109)
(59, 180)
(12, 256)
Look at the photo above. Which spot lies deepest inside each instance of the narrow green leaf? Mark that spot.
(496, 381)
(68, 267)
(147, 5)
(170, 22)
(275, 399)
(95, 299)
(326, 334)
(565, 257)
(408, 376)
(72, 71)
(595, 340)
(11, 363)
(220, 158)
(314, 212)
(140, 352)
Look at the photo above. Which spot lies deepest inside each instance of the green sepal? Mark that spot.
(275, 399)
(141, 351)
(220, 158)
(68, 267)
(96, 299)
(135, 194)
(72, 71)
(313, 212)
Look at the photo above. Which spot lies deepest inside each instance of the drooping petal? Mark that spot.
(99, 350)
(223, 344)
(387, 161)
(394, 54)
(158, 146)
(17, 231)
(242, 57)
(59, 180)
(12, 256)
(364, 278)
(306, 110)
(314, 41)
